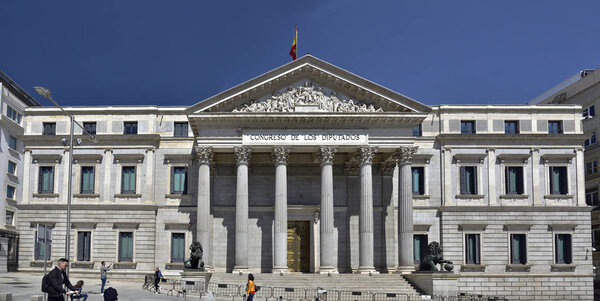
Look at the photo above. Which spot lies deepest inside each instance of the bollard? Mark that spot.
(5, 297)
(37, 298)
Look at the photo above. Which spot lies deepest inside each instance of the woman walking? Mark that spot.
(157, 276)
(250, 288)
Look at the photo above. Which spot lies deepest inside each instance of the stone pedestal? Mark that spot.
(197, 276)
(443, 284)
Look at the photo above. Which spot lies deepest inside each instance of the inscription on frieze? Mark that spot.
(312, 137)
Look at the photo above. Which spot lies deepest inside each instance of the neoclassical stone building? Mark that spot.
(310, 168)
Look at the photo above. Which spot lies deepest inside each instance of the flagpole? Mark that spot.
(296, 40)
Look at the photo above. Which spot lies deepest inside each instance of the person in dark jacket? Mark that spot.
(157, 276)
(56, 278)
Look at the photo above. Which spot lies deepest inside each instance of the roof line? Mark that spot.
(16, 89)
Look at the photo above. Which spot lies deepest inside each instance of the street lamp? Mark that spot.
(46, 94)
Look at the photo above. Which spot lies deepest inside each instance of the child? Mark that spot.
(78, 291)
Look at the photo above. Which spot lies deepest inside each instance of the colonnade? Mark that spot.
(403, 158)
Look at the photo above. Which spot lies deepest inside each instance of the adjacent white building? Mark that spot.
(13, 101)
(310, 168)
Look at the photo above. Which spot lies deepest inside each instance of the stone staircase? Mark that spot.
(379, 283)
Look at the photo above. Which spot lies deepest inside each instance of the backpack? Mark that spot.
(110, 294)
(45, 283)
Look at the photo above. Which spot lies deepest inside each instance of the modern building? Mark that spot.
(310, 168)
(583, 89)
(13, 101)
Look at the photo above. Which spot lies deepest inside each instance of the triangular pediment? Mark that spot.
(308, 85)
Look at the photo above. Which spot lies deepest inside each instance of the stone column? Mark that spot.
(280, 157)
(242, 157)
(204, 156)
(405, 210)
(366, 265)
(328, 242)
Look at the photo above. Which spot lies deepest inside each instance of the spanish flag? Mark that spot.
(293, 50)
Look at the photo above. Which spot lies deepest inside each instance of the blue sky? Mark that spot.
(181, 52)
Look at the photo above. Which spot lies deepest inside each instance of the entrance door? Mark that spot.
(298, 251)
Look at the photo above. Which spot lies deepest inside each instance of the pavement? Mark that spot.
(24, 285)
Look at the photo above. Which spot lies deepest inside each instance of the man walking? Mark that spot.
(103, 270)
(55, 280)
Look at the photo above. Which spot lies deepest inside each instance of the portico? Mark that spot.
(308, 116)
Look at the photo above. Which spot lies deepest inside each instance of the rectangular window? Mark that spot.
(591, 167)
(13, 114)
(562, 252)
(90, 127)
(10, 217)
(10, 192)
(126, 246)
(128, 180)
(179, 180)
(589, 111)
(467, 127)
(591, 140)
(12, 168)
(12, 142)
(468, 180)
(591, 197)
(472, 250)
(518, 249)
(511, 127)
(420, 246)
(130, 127)
(177, 247)
(43, 243)
(181, 129)
(84, 245)
(558, 180)
(49, 128)
(514, 179)
(87, 179)
(418, 180)
(417, 131)
(595, 238)
(555, 127)
(46, 179)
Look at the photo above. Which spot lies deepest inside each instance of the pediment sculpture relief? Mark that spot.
(306, 98)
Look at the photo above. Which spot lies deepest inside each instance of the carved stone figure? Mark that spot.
(306, 95)
(195, 260)
(433, 257)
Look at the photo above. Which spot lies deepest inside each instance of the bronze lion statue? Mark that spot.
(433, 257)
(195, 260)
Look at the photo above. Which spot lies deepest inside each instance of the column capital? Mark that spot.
(366, 154)
(242, 154)
(326, 154)
(280, 154)
(404, 155)
(204, 154)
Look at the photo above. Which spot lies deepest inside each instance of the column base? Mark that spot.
(328, 270)
(367, 271)
(405, 269)
(280, 270)
(240, 270)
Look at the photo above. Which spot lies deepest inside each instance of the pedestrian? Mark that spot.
(157, 276)
(103, 270)
(79, 294)
(55, 280)
(250, 288)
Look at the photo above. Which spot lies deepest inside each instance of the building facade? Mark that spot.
(310, 168)
(583, 89)
(13, 101)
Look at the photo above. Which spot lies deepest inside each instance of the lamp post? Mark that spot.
(46, 94)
